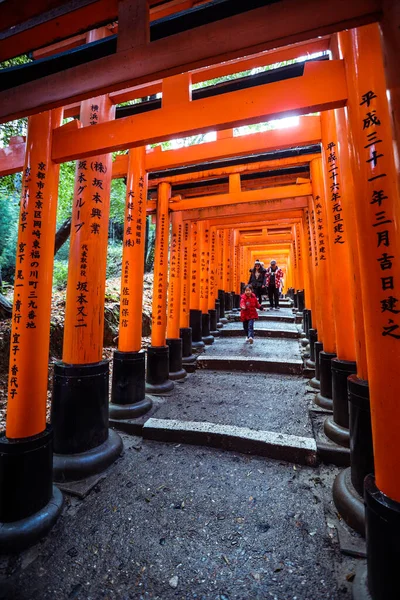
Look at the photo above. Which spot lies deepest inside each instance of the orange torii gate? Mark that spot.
(350, 216)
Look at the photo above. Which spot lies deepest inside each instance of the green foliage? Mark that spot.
(114, 260)
(9, 212)
(60, 274)
(65, 191)
(117, 200)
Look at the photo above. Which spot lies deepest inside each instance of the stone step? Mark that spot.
(262, 333)
(292, 366)
(273, 316)
(278, 446)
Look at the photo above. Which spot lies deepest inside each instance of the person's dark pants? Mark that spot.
(273, 296)
(258, 293)
(248, 327)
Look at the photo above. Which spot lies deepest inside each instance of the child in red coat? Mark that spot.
(248, 312)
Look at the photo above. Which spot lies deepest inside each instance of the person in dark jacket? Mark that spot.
(257, 279)
(248, 312)
(273, 280)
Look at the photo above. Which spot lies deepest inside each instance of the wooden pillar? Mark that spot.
(185, 276)
(174, 341)
(84, 311)
(338, 242)
(204, 259)
(213, 284)
(30, 332)
(130, 318)
(128, 398)
(81, 386)
(377, 210)
(309, 292)
(226, 260)
(28, 500)
(160, 286)
(204, 267)
(174, 285)
(157, 375)
(324, 398)
(324, 283)
(194, 267)
(390, 38)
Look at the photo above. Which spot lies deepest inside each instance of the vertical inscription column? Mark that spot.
(204, 281)
(185, 332)
(174, 342)
(377, 210)
(80, 391)
(29, 505)
(157, 376)
(324, 397)
(195, 312)
(213, 308)
(337, 426)
(128, 398)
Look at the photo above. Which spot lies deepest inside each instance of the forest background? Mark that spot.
(10, 190)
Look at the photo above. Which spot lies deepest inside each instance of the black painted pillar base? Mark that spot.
(176, 371)
(29, 503)
(228, 303)
(313, 337)
(336, 427)
(83, 444)
(348, 501)
(128, 399)
(206, 336)
(382, 516)
(213, 322)
(324, 398)
(218, 310)
(185, 333)
(221, 298)
(196, 325)
(300, 300)
(157, 375)
(315, 382)
(348, 488)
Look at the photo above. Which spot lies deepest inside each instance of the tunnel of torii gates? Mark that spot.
(322, 198)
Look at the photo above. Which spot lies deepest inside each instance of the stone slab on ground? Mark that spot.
(269, 317)
(279, 446)
(270, 356)
(181, 522)
(262, 401)
(263, 329)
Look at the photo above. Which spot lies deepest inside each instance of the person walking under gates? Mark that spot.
(257, 277)
(273, 279)
(248, 312)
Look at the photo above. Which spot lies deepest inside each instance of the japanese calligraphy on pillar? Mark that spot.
(298, 244)
(320, 229)
(174, 268)
(185, 274)
(160, 289)
(308, 223)
(212, 270)
(314, 238)
(382, 227)
(133, 229)
(204, 262)
(335, 197)
(194, 261)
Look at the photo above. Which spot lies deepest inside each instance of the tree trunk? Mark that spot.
(62, 235)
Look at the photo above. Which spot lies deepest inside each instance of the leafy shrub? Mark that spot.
(60, 274)
(114, 260)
